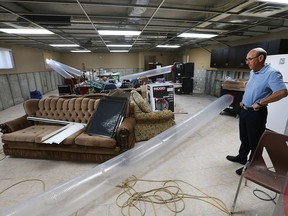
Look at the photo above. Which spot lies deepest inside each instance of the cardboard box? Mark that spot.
(234, 85)
(161, 96)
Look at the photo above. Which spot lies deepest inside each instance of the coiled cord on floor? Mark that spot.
(170, 194)
(270, 198)
(29, 180)
(26, 180)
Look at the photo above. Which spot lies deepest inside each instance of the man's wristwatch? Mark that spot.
(260, 104)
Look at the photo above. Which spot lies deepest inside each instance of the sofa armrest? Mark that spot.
(154, 116)
(125, 135)
(15, 124)
(31, 106)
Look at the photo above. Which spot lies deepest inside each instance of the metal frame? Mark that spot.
(160, 22)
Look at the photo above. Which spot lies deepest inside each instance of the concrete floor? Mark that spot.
(199, 161)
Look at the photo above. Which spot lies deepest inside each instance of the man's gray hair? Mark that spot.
(261, 51)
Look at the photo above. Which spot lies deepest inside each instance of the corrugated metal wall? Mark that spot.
(16, 88)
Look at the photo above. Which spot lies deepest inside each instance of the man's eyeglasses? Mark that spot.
(250, 59)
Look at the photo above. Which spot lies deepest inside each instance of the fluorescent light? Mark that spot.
(119, 45)
(64, 45)
(80, 51)
(154, 36)
(168, 46)
(119, 51)
(26, 31)
(197, 35)
(275, 1)
(118, 33)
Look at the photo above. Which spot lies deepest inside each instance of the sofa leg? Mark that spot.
(123, 139)
(3, 128)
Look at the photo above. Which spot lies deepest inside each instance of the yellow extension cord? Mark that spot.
(168, 194)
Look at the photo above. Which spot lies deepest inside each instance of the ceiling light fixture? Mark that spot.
(275, 1)
(119, 51)
(26, 31)
(196, 35)
(118, 33)
(80, 51)
(64, 45)
(168, 46)
(119, 45)
(154, 36)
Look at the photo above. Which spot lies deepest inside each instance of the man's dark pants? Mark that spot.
(252, 124)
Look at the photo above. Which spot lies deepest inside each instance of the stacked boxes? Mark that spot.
(161, 96)
(234, 85)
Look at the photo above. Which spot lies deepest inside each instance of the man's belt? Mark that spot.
(247, 108)
(251, 108)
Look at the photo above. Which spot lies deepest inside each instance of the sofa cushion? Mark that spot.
(140, 102)
(71, 139)
(31, 134)
(97, 141)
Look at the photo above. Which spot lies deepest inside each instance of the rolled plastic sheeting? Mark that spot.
(73, 195)
(148, 73)
(60, 71)
(67, 68)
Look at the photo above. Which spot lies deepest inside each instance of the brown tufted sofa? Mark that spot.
(149, 123)
(22, 138)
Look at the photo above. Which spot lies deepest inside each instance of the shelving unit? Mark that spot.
(234, 57)
(215, 78)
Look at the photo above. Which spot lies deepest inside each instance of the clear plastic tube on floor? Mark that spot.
(148, 73)
(73, 195)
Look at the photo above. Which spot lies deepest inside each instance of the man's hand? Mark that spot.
(256, 106)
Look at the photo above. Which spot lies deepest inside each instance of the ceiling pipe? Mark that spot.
(84, 11)
(158, 8)
(136, 12)
(35, 24)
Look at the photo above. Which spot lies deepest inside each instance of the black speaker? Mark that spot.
(187, 85)
(234, 108)
(178, 71)
(188, 69)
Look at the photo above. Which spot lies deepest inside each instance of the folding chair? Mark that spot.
(257, 171)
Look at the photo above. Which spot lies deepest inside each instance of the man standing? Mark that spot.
(265, 85)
